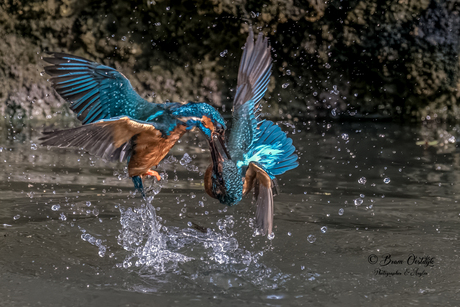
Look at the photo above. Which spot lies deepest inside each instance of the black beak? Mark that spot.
(219, 155)
(218, 148)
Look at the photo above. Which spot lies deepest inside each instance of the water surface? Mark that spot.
(365, 194)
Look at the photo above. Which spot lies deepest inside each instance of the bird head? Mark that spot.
(204, 117)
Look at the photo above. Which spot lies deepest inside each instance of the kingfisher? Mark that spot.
(257, 150)
(117, 123)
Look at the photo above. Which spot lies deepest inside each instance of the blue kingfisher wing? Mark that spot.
(111, 139)
(257, 177)
(95, 91)
(272, 149)
(253, 77)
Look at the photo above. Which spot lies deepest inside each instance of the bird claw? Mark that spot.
(153, 173)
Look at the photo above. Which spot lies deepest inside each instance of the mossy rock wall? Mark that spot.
(335, 58)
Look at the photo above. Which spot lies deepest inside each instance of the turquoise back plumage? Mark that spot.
(272, 150)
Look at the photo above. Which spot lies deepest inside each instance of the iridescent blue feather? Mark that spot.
(272, 150)
(96, 91)
(253, 77)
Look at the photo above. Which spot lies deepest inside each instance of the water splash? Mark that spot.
(142, 236)
(206, 255)
(93, 241)
(210, 256)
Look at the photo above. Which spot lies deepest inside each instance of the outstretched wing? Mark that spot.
(258, 177)
(123, 138)
(95, 91)
(109, 139)
(253, 77)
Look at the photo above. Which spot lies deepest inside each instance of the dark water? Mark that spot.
(72, 233)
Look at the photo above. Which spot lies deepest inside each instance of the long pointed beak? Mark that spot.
(219, 151)
(219, 154)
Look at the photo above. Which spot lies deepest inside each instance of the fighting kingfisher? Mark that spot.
(118, 124)
(257, 150)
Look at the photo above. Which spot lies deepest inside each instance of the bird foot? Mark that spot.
(153, 173)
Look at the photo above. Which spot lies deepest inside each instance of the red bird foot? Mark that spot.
(153, 173)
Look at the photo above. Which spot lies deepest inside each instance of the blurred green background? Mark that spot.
(340, 59)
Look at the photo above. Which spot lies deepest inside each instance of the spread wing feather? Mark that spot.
(253, 77)
(95, 91)
(111, 139)
(272, 149)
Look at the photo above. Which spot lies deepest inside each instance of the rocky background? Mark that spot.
(339, 58)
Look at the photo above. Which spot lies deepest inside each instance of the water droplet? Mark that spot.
(189, 224)
(334, 90)
(193, 168)
(311, 238)
(288, 72)
(345, 136)
(285, 85)
(386, 180)
(95, 212)
(224, 53)
(323, 229)
(16, 217)
(127, 264)
(185, 159)
(88, 204)
(271, 236)
(289, 233)
(42, 73)
(362, 180)
(358, 201)
(168, 8)
(452, 139)
(55, 207)
(315, 93)
(200, 203)
(170, 159)
(62, 217)
(123, 38)
(341, 211)
(33, 146)
(327, 65)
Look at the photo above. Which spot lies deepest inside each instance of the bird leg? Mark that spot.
(153, 173)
